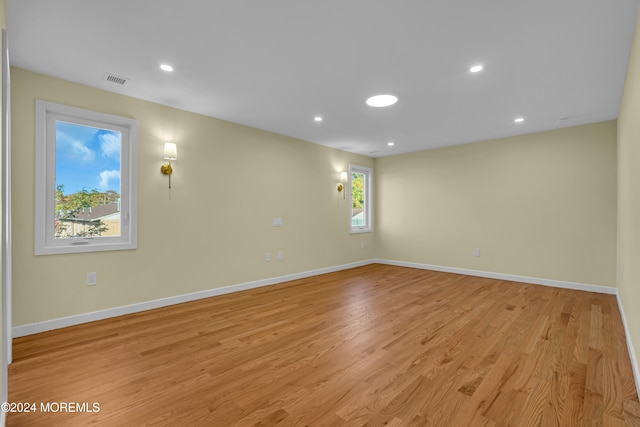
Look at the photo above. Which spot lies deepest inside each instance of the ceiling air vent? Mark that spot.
(114, 79)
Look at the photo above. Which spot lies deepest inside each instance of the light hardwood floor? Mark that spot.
(375, 345)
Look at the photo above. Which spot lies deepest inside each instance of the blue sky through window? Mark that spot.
(87, 157)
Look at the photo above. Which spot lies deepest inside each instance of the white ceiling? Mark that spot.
(275, 64)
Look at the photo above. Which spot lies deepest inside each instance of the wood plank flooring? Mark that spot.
(375, 345)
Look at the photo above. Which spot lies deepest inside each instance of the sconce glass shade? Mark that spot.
(344, 177)
(170, 151)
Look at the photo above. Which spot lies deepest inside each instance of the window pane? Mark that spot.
(87, 181)
(358, 199)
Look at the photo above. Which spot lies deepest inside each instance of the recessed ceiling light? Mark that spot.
(382, 100)
(391, 143)
(476, 68)
(317, 118)
(518, 120)
(166, 67)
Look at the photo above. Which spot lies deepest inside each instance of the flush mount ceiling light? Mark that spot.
(518, 120)
(166, 67)
(317, 118)
(391, 143)
(384, 100)
(476, 68)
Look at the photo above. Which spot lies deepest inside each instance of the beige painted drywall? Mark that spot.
(629, 195)
(211, 230)
(541, 205)
(3, 370)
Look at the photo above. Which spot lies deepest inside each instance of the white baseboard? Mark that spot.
(632, 353)
(63, 322)
(513, 278)
(34, 328)
(3, 418)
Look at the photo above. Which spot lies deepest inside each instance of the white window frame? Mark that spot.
(47, 113)
(368, 192)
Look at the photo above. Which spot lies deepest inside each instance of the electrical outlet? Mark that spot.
(280, 256)
(92, 279)
(267, 257)
(476, 251)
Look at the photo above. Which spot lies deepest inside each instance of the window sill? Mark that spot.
(359, 231)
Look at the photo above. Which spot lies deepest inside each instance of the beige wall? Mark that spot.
(541, 205)
(3, 371)
(629, 196)
(214, 227)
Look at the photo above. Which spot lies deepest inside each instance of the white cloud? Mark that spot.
(105, 177)
(82, 152)
(74, 149)
(110, 145)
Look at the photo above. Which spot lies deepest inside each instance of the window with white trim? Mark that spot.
(86, 180)
(360, 184)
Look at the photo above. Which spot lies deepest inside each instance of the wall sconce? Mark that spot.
(170, 153)
(344, 178)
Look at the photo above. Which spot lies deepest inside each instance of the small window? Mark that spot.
(360, 178)
(85, 181)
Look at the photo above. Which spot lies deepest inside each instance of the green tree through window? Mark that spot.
(74, 213)
(357, 190)
(360, 199)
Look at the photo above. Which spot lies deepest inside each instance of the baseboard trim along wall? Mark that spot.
(63, 322)
(632, 354)
(513, 278)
